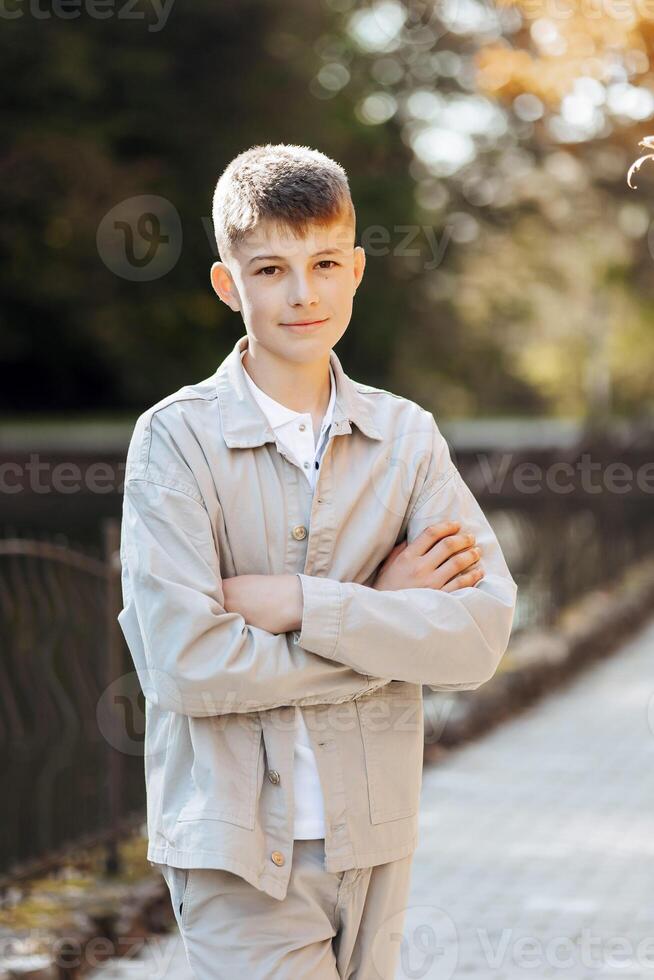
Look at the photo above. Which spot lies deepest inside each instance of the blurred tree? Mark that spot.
(103, 111)
(509, 264)
(522, 119)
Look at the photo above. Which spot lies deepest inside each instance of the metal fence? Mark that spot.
(71, 772)
(72, 713)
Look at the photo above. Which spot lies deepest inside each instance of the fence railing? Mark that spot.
(65, 773)
(72, 713)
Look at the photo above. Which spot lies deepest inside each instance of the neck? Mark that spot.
(300, 387)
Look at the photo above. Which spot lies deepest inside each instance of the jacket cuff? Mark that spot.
(321, 614)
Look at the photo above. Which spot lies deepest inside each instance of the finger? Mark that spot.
(432, 535)
(396, 550)
(458, 563)
(468, 578)
(443, 550)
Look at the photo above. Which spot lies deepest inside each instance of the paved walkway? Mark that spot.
(536, 855)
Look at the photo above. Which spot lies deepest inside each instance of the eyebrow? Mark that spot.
(280, 258)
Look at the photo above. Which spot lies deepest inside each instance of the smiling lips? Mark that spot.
(303, 323)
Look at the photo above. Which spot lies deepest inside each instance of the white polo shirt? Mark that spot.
(294, 431)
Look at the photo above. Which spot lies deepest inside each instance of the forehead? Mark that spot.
(280, 240)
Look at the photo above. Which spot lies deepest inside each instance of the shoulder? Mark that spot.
(186, 397)
(393, 413)
(165, 433)
(410, 433)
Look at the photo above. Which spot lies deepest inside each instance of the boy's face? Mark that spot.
(275, 280)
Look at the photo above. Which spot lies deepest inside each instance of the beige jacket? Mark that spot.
(209, 495)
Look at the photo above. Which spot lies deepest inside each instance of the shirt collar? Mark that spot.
(244, 422)
(278, 414)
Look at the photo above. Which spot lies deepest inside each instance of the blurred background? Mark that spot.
(508, 289)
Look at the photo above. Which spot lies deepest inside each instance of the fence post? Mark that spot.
(114, 668)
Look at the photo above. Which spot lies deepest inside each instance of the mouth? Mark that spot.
(305, 323)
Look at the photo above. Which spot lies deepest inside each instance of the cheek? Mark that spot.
(344, 295)
(339, 290)
(261, 300)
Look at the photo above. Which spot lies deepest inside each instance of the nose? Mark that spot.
(302, 291)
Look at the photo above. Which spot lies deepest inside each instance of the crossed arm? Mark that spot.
(440, 558)
(204, 646)
(272, 602)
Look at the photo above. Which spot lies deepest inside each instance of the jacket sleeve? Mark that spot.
(445, 640)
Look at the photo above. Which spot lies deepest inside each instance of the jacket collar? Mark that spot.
(245, 424)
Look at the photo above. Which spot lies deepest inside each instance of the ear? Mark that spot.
(359, 265)
(224, 285)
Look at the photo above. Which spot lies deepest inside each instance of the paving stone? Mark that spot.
(549, 819)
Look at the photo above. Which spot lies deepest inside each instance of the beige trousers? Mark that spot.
(343, 925)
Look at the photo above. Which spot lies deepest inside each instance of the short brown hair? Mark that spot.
(290, 185)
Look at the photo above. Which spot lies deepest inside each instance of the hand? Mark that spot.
(271, 602)
(439, 558)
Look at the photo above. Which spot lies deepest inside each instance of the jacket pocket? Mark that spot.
(227, 769)
(392, 730)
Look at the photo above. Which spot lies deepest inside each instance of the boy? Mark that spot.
(297, 562)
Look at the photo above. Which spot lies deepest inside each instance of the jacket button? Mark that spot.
(278, 858)
(299, 532)
(273, 776)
